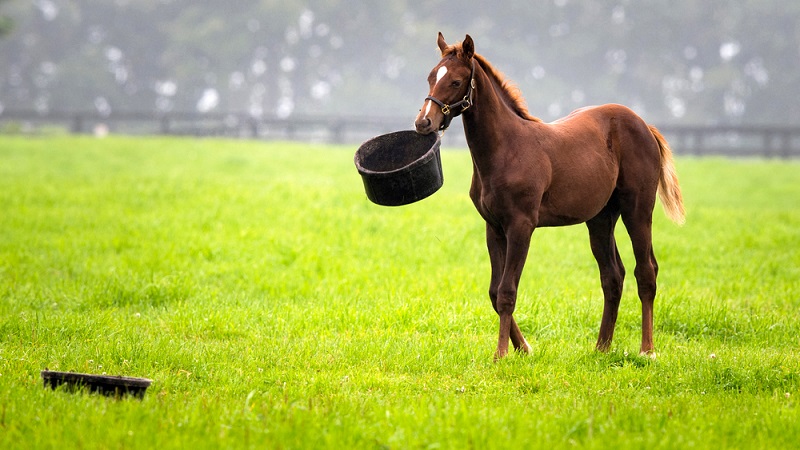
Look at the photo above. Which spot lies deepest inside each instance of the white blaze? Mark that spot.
(439, 75)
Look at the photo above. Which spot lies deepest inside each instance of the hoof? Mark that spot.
(603, 345)
(651, 354)
(499, 355)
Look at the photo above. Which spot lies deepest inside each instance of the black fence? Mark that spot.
(725, 140)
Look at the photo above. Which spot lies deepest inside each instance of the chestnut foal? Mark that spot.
(594, 166)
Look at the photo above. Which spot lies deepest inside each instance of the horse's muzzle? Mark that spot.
(424, 125)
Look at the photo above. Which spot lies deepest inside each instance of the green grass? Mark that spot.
(275, 307)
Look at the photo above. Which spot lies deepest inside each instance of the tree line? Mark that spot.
(678, 62)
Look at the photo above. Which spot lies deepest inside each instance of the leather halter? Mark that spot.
(464, 103)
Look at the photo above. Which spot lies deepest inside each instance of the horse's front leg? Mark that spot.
(497, 245)
(517, 240)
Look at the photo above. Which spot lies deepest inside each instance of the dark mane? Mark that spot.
(511, 91)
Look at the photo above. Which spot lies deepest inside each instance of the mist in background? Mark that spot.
(679, 62)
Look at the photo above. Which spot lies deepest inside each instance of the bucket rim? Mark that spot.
(422, 160)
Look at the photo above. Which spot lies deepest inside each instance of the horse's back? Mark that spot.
(602, 118)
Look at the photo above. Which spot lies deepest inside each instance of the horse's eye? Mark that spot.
(456, 84)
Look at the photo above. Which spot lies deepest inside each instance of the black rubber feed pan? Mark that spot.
(114, 386)
(401, 167)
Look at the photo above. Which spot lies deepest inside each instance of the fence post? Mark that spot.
(77, 124)
(165, 125)
(699, 143)
(337, 132)
(253, 123)
(786, 144)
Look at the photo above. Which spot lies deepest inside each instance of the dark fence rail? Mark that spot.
(726, 140)
(332, 129)
(734, 140)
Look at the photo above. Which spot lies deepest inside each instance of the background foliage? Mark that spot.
(679, 61)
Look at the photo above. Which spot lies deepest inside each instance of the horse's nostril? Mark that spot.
(423, 125)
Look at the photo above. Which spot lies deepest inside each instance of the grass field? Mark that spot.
(275, 307)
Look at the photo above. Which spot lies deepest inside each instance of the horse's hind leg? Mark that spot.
(612, 272)
(517, 339)
(639, 222)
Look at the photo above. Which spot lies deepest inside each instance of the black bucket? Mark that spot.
(401, 167)
(110, 385)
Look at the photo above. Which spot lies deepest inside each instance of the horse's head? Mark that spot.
(452, 82)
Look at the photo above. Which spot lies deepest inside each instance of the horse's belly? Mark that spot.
(575, 201)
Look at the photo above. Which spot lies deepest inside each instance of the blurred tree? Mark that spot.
(682, 61)
(5, 22)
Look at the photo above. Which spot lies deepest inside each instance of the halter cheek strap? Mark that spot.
(464, 104)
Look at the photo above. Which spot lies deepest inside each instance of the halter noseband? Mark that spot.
(464, 103)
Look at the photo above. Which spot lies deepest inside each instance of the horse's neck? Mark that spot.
(489, 119)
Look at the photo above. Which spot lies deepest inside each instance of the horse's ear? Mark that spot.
(442, 44)
(468, 47)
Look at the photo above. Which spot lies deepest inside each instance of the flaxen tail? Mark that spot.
(669, 190)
